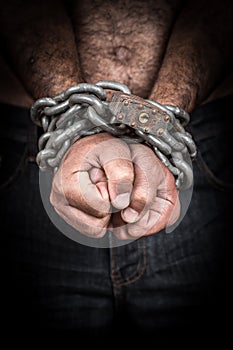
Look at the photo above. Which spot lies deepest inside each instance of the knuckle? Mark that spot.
(95, 232)
(120, 234)
(85, 203)
(98, 214)
(70, 196)
(175, 213)
(101, 233)
(52, 198)
(119, 170)
(140, 202)
(55, 197)
(135, 231)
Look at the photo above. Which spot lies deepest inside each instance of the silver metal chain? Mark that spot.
(83, 110)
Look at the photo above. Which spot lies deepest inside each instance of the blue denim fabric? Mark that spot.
(158, 283)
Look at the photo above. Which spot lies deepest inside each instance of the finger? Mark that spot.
(82, 222)
(175, 214)
(119, 227)
(76, 189)
(126, 231)
(98, 178)
(97, 175)
(81, 193)
(115, 158)
(98, 151)
(167, 204)
(144, 225)
(148, 175)
(164, 212)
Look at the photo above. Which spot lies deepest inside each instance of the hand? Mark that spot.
(154, 201)
(100, 173)
(97, 171)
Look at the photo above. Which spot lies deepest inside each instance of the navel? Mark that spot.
(122, 54)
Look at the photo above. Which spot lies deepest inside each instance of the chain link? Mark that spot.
(83, 110)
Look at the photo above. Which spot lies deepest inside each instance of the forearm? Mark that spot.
(39, 43)
(198, 52)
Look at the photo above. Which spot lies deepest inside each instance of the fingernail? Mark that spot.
(130, 215)
(121, 201)
(124, 187)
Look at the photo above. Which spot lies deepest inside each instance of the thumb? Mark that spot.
(115, 158)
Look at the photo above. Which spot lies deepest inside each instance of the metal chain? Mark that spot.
(83, 110)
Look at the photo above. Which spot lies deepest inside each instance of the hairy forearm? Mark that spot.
(39, 43)
(198, 52)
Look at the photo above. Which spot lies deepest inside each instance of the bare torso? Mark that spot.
(122, 40)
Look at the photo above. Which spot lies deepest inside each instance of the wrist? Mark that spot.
(179, 94)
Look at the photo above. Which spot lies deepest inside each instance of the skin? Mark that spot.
(39, 44)
(170, 51)
(100, 171)
(198, 55)
(123, 39)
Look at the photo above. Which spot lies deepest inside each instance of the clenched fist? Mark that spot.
(104, 183)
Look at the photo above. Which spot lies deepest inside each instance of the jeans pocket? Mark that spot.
(212, 131)
(214, 178)
(214, 160)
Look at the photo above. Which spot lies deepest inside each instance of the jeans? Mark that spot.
(165, 281)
